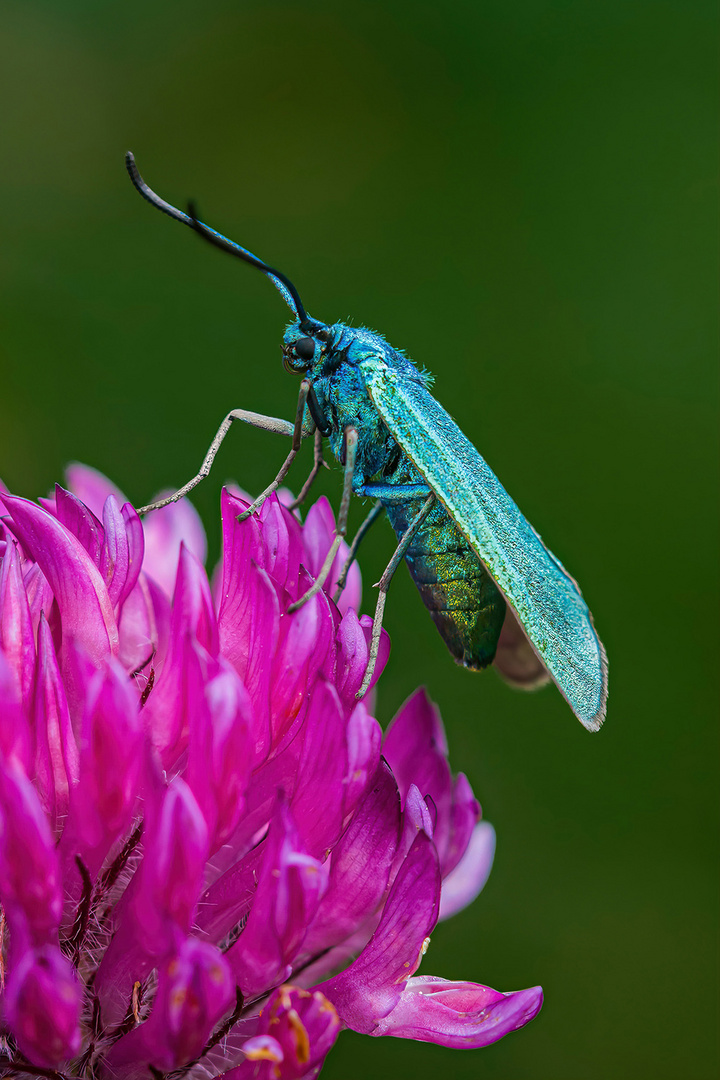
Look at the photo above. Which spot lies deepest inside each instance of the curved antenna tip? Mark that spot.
(283, 284)
(134, 173)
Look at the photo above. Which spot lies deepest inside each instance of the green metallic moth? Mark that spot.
(493, 589)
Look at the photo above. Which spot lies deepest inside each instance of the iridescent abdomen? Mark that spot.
(463, 600)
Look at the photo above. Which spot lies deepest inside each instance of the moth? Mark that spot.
(495, 592)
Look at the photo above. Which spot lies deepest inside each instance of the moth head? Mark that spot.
(304, 343)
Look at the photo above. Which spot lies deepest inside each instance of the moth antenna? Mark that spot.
(220, 241)
(281, 282)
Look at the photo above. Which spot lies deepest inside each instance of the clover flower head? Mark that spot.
(211, 858)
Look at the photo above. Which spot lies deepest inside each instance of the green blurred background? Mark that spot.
(520, 194)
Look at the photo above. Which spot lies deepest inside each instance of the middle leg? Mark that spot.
(319, 462)
(360, 535)
(384, 585)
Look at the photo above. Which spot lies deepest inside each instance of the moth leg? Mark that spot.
(319, 462)
(265, 423)
(384, 585)
(395, 493)
(297, 435)
(350, 447)
(384, 493)
(362, 532)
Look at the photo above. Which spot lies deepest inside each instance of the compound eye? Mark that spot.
(304, 348)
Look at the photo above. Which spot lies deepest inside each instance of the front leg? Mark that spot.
(350, 447)
(298, 432)
(265, 423)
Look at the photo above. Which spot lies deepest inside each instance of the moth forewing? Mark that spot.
(544, 597)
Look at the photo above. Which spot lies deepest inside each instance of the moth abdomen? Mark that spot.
(463, 600)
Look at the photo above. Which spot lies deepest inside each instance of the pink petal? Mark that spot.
(351, 596)
(165, 530)
(30, 881)
(115, 554)
(318, 534)
(263, 1057)
(226, 903)
(290, 886)
(15, 739)
(43, 1006)
(364, 740)
(466, 881)
(85, 607)
(371, 987)
(317, 805)
(351, 659)
(304, 1027)
(169, 707)
(103, 801)
(232, 752)
(360, 865)
(464, 815)
(220, 750)
(56, 755)
(249, 612)
(195, 989)
(282, 540)
(383, 652)
(80, 521)
(305, 639)
(92, 487)
(415, 748)
(417, 818)
(144, 627)
(41, 599)
(16, 631)
(175, 696)
(416, 732)
(458, 1014)
(193, 608)
(135, 540)
(172, 870)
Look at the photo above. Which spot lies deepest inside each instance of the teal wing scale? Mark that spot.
(546, 600)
